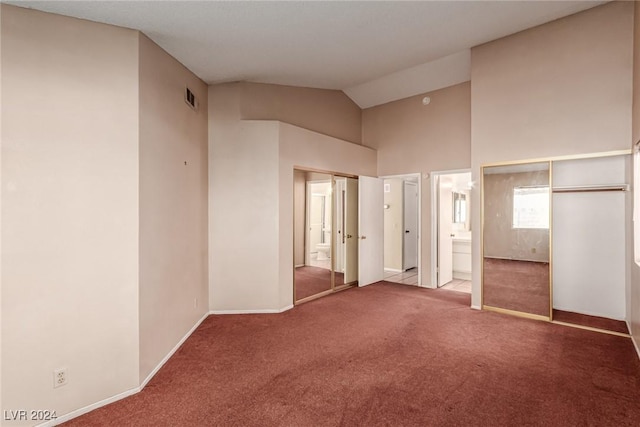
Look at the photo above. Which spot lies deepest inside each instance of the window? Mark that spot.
(531, 207)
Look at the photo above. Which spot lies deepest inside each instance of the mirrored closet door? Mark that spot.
(516, 276)
(325, 233)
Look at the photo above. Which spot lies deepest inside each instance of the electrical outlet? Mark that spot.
(195, 303)
(60, 377)
(533, 250)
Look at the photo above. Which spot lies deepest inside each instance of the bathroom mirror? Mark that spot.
(515, 239)
(459, 208)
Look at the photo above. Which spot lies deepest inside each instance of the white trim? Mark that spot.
(253, 311)
(393, 270)
(299, 265)
(78, 412)
(172, 351)
(462, 275)
(633, 340)
(476, 307)
(74, 414)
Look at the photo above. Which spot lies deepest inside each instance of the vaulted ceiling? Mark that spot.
(376, 52)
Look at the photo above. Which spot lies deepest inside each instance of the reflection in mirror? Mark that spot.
(459, 208)
(516, 272)
(346, 236)
(312, 233)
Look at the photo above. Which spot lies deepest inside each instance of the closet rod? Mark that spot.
(591, 188)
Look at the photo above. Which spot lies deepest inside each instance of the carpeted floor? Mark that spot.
(517, 285)
(592, 321)
(313, 280)
(387, 355)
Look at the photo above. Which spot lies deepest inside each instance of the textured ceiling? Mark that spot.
(357, 47)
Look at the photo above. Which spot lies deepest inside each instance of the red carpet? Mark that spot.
(387, 355)
(313, 280)
(592, 321)
(517, 285)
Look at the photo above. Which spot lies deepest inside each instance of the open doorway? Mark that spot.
(402, 229)
(451, 226)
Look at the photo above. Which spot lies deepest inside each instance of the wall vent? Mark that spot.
(190, 99)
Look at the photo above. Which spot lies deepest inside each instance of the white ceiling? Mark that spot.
(375, 51)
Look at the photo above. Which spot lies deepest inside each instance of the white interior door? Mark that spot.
(445, 231)
(371, 226)
(315, 221)
(339, 235)
(410, 239)
(351, 231)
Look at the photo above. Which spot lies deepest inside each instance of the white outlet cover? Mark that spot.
(60, 377)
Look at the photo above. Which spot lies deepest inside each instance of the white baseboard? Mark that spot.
(394, 270)
(633, 340)
(299, 265)
(119, 396)
(172, 351)
(462, 275)
(476, 307)
(253, 311)
(74, 414)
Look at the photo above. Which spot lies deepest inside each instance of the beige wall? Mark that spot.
(1, 186)
(299, 206)
(394, 224)
(243, 210)
(414, 138)
(251, 167)
(501, 240)
(562, 88)
(633, 308)
(69, 210)
(329, 112)
(173, 204)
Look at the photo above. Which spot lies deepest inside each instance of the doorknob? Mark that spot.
(452, 235)
(363, 237)
(349, 236)
(406, 231)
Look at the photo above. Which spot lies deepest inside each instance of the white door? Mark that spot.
(445, 239)
(339, 235)
(351, 231)
(315, 221)
(410, 240)
(371, 226)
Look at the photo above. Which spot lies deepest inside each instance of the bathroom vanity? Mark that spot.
(462, 258)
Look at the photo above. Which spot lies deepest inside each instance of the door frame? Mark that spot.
(435, 213)
(418, 177)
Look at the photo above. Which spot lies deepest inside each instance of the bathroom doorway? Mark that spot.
(451, 230)
(402, 229)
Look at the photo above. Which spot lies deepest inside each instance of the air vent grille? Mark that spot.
(190, 99)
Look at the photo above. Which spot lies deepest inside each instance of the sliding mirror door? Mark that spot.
(325, 233)
(313, 208)
(346, 236)
(515, 239)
